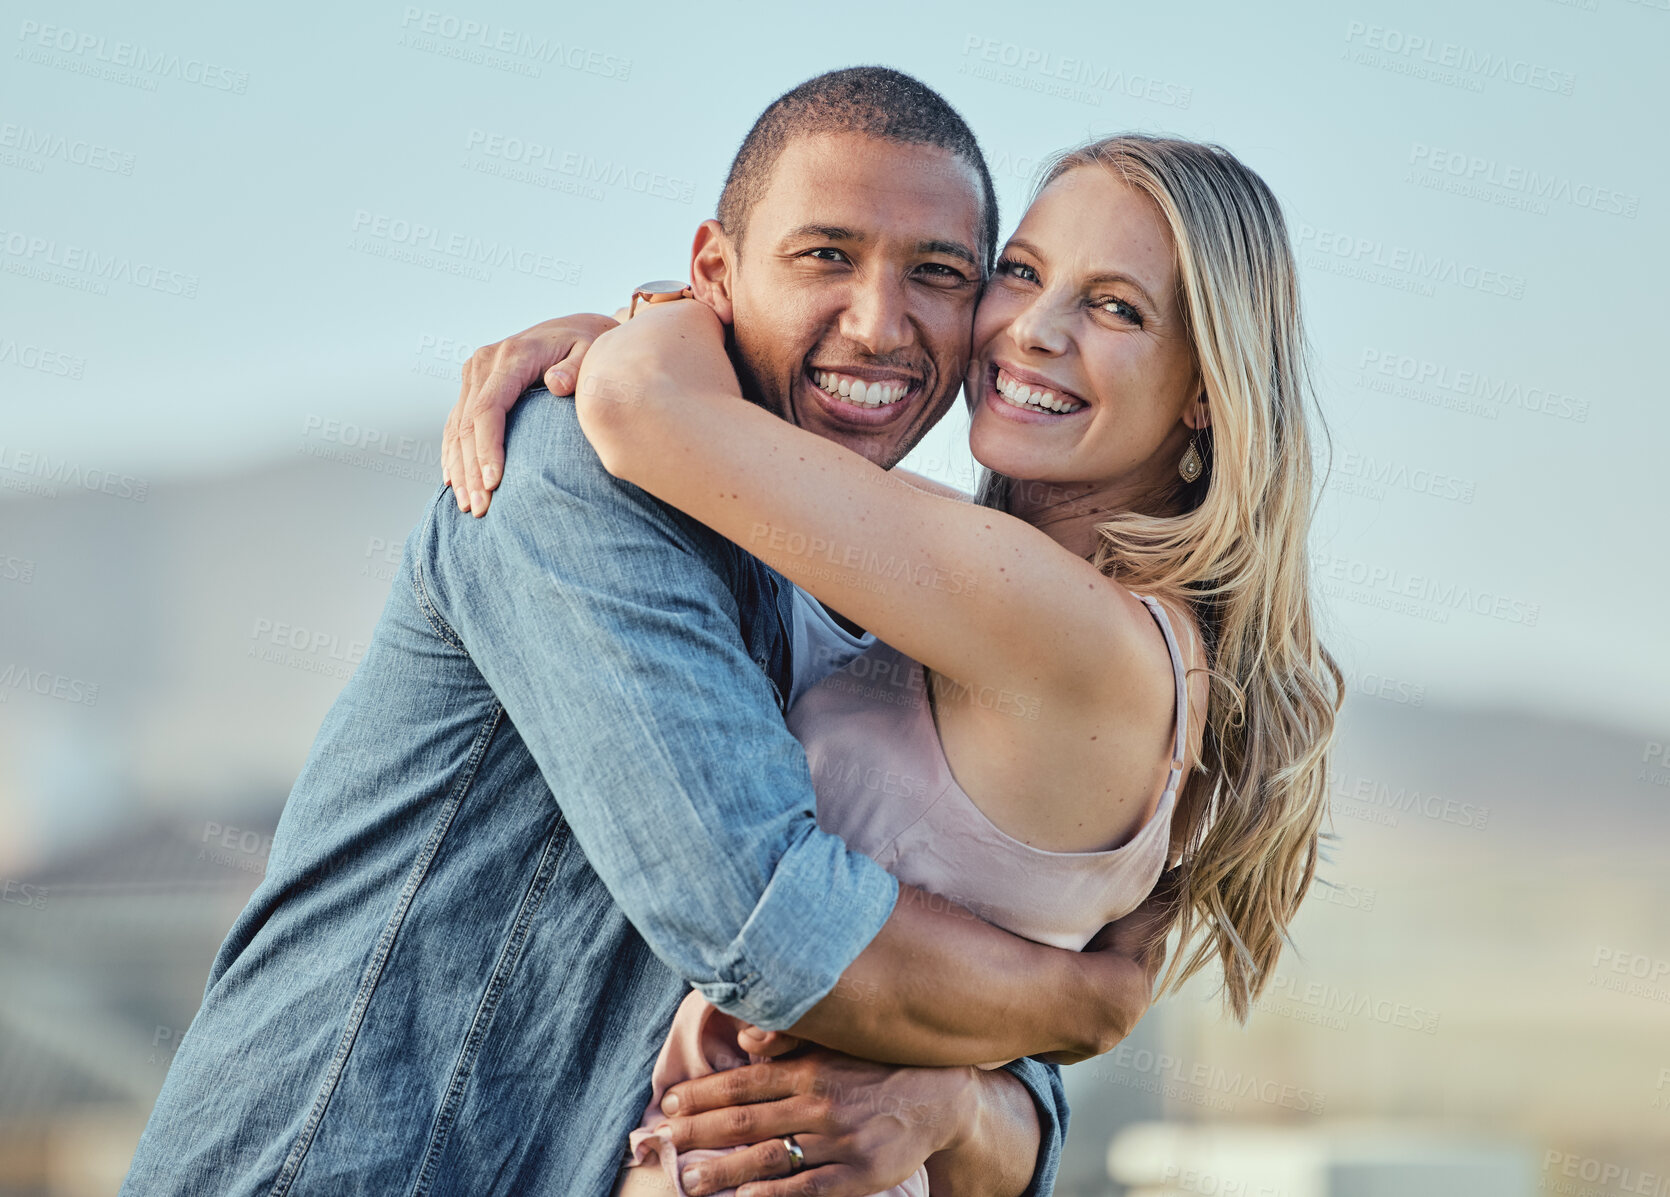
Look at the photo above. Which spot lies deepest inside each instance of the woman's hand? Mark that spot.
(666, 347)
(472, 447)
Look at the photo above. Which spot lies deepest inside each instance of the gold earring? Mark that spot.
(1193, 463)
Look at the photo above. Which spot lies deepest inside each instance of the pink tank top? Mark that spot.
(884, 786)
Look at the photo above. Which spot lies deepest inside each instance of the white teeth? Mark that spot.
(1023, 396)
(874, 394)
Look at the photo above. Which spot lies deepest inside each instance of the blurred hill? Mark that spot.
(1497, 879)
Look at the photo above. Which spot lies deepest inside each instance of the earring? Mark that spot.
(1193, 463)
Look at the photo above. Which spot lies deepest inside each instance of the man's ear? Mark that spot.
(713, 269)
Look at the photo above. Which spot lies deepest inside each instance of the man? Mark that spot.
(558, 789)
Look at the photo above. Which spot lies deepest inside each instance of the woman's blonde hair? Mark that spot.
(1237, 553)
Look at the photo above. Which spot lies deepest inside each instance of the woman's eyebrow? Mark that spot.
(1107, 276)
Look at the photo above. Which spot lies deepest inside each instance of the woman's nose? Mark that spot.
(1041, 327)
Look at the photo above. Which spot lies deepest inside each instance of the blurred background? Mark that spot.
(243, 252)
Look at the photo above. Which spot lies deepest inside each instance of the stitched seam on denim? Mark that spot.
(430, 613)
(379, 957)
(509, 956)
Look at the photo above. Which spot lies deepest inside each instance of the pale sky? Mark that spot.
(208, 219)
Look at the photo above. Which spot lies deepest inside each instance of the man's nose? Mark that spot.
(878, 318)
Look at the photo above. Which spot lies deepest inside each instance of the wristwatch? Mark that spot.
(662, 290)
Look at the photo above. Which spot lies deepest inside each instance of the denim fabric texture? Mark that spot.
(556, 793)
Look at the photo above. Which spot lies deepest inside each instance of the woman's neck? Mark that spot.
(1068, 512)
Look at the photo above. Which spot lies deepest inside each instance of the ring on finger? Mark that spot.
(797, 1157)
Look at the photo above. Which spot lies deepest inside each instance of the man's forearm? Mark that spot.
(937, 986)
(998, 1154)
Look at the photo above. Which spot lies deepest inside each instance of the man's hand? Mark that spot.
(1122, 962)
(472, 447)
(863, 1126)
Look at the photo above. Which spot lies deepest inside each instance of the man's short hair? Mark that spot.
(871, 100)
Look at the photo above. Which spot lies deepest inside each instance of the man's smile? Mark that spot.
(863, 396)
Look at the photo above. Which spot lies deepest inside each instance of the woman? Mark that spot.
(1107, 663)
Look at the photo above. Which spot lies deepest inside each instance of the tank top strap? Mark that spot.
(1179, 674)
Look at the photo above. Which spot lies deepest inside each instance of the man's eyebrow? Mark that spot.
(955, 249)
(832, 232)
(823, 232)
(1109, 276)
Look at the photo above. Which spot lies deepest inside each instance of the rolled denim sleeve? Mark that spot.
(608, 627)
(1043, 1081)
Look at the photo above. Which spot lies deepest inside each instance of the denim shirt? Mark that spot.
(556, 792)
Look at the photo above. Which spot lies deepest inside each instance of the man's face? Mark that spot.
(853, 290)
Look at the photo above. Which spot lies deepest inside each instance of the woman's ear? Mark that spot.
(1198, 416)
(713, 269)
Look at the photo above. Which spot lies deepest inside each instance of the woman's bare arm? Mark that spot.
(955, 586)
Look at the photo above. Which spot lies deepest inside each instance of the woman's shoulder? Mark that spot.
(1083, 768)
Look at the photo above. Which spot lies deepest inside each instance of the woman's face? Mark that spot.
(1083, 309)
